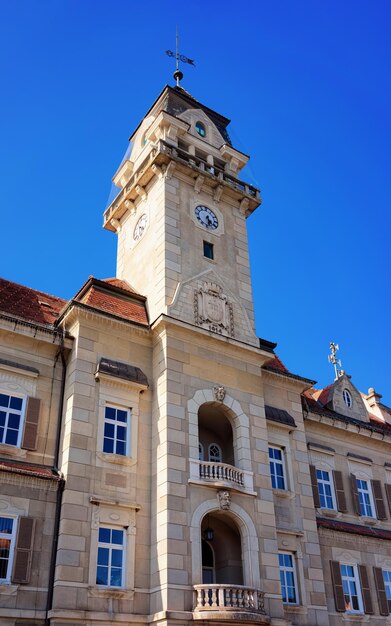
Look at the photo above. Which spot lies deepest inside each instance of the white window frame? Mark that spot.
(368, 490)
(280, 462)
(330, 483)
(12, 538)
(356, 580)
(116, 423)
(387, 587)
(347, 398)
(21, 412)
(112, 546)
(291, 569)
(220, 453)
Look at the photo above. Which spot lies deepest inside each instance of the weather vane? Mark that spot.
(334, 347)
(178, 75)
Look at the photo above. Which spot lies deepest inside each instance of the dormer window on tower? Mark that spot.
(200, 129)
(347, 398)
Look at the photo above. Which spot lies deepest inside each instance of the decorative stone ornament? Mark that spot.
(224, 498)
(219, 393)
(212, 309)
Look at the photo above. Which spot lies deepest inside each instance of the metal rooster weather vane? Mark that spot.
(178, 75)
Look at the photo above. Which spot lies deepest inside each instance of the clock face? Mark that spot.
(140, 227)
(206, 217)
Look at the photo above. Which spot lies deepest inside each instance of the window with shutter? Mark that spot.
(365, 590)
(339, 491)
(383, 589)
(12, 410)
(351, 588)
(337, 586)
(378, 498)
(23, 550)
(325, 489)
(388, 494)
(314, 485)
(30, 433)
(7, 545)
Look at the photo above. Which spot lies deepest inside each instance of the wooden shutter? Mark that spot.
(355, 498)
(339, 491)
(337, 586)
(314, 484)
(30, 434)
(380, 590)
(378, 497)
(23, 550)
(365, 590)
(388, 494)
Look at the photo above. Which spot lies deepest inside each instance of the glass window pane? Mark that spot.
(102, 575)
(118, 537)
(16, 403)
(122, 416)
(110, 412)
(4, 400)
(104, 535)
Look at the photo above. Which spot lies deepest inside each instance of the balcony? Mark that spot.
(229, 602)
(221, 475)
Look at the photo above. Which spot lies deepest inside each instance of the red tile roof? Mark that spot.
(120, 284)
(29, 469)
(28, 304)
(276, 364)
(129, 309)
(111, 295)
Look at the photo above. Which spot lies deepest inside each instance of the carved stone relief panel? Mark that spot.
(212, 310)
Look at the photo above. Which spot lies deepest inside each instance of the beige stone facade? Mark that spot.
(158, 462)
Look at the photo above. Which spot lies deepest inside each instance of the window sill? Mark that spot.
(329, 513)
(356, 617)
(369, 521)
(12, 451)
(8, 589)
(119, 459)
(295, 608)
(284, 493)
(111, 592)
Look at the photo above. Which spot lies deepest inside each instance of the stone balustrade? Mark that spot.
(215, 597)
(221, 474)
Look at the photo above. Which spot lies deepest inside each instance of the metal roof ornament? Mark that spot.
(178, 75)
(332, 358)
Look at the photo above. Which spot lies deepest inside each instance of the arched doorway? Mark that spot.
(222, 553)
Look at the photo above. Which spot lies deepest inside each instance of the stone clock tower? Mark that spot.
(181, 218)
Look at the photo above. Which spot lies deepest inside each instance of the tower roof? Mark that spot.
(175, 100)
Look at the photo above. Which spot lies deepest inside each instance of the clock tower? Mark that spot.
(180, 217)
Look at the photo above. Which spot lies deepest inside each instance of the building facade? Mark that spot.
(158, 462)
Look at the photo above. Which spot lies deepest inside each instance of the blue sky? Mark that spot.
(307, 86)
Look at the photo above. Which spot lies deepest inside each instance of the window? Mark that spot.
(208, 250)
(116, 430)
(11, 418)
(326, 489)
(214, 453)
(365, 498)
(200, 129)
(387, 587)
(7, 542)
(347, 398)
(110, 560)
(351, 589)
(277, 468)
(201, 452)
(288, 578)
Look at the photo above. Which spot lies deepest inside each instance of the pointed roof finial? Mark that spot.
(334, 347)
(178, 75)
